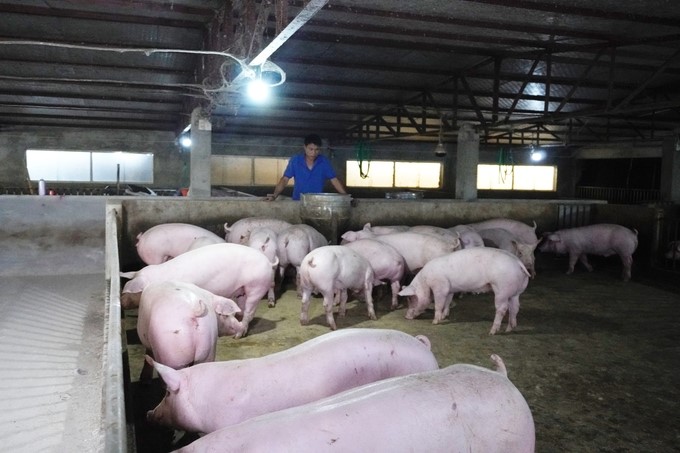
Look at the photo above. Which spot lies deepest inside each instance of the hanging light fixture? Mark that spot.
(440, 151)
(535, 153)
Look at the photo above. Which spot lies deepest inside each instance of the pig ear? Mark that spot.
(226, 228)
(407, 291)
(367, 226)
(170, 376)
(225, 306)
(349, 236)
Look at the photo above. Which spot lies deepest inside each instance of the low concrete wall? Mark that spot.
(51, 235)
(65, 235)
(139, 214)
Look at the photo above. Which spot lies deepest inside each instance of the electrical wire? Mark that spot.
(246, 71)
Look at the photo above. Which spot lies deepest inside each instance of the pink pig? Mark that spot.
(332, 270)
(600, 239)
(229, 270)
(209, 396)
(165, 241)
(461, 408)
(265, 240)
(524, 232)
(239, 232)
(387, 263)
(180, 323)
(469, 237)
(503, 239)
(416, 248)
(477, 270)
(294, 243)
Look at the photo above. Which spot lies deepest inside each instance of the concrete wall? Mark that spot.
(171, 167)
(168, 161)
(139, 214)
(51, 235)
(65, 235)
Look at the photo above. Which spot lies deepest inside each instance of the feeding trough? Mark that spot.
(327, 212)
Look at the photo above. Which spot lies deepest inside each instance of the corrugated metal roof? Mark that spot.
(377, 68)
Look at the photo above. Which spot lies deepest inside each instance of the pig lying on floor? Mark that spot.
(209, 396)
(461, 408)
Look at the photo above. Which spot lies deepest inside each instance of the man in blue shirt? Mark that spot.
(309, 170)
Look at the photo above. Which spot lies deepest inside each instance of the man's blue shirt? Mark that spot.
(306, 180)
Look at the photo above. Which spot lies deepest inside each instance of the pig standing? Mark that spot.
(387, 263)
(331, 270)
(229, 270)
(294, 243)
(206, 397)
(476, 270)
(469, 237)
(265, 240)
(180, 323)
(369, 231)
(461, 408)
(416, 248)
(524, 232)
(602, 239)
(506, 240)
(442, 233)
(167, 240)
(240, 231)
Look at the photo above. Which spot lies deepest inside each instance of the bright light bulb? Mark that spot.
(185, 141)
(258, 90)
(537, 155)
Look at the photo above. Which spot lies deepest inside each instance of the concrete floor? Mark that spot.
(51, 343)
(52, 324)
(596, 359)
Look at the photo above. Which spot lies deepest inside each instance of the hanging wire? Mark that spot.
(363, 152)
(505, 159)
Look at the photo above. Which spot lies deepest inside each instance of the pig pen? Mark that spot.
(595, 358)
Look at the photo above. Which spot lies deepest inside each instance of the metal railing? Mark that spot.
(619, 195)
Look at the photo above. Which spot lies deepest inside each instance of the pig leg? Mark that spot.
(442, 299)
(340, 299)
(627, 261)
(368, 292)
(328, 302)
(147, 369)
(271, 297)
(306, 299)
(501, 301)
(297, 282)
(584, 260)
(396, 287)
(573, 258)
(447, 307)
(512, 313)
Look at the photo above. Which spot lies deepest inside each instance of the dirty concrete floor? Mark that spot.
(51, 344)
(597, 359)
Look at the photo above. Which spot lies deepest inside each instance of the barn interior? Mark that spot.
(590, 85)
